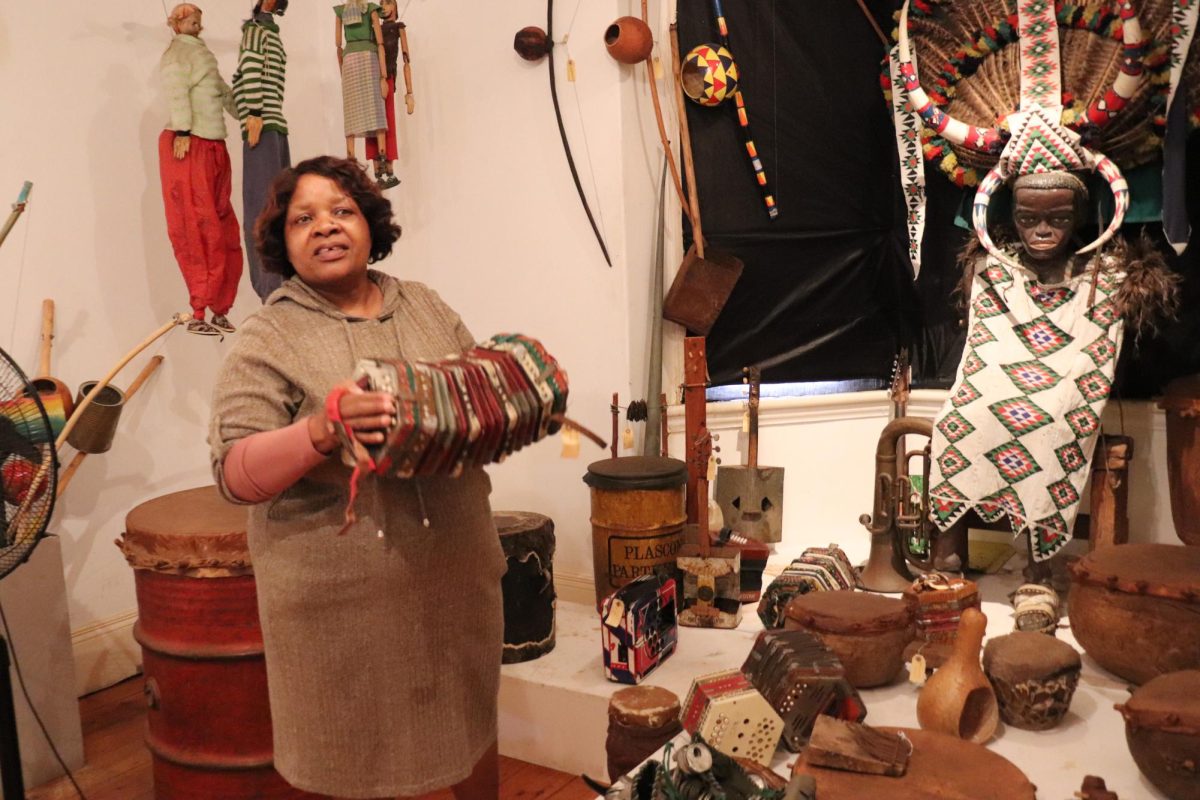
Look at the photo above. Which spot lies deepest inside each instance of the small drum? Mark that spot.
(209, 723)
(937, 602)
(641, 719)
(1135, 608)
(528, 586)
(732, 716)
(867, 632)
(940, 766)
(1034, 676)
(637, 519)
(1162, 728)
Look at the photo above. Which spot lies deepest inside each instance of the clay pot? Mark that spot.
(1162, 728)
(867, 632)
(1135, 608)
(1182, 404)
(629, 40)
(959, 699)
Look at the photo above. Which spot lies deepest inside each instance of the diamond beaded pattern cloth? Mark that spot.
(1017, 433)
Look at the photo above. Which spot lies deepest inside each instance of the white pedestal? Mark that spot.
(35, 602)
(554, 710)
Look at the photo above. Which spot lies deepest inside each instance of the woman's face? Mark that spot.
(328, 238)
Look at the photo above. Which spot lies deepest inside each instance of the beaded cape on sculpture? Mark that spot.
(1034, 378)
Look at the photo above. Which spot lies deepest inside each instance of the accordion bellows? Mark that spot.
(469, 409)
(817, 569)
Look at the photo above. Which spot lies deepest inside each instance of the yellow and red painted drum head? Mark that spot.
(709, 74)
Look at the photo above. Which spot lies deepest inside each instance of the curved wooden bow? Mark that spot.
(562, 132)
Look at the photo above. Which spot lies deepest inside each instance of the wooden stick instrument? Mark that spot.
(662, 129)
(686, 136)
(55, 395)
(17, 208)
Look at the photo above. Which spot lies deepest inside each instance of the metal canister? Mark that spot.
(637, 518)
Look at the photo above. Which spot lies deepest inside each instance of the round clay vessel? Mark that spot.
(1135, 608)
(867, 632)
(629, 40)
(940, 766)
(1162, 728)
(1034, 676)
(531, 43)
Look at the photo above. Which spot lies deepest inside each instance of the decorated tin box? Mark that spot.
(639, 628)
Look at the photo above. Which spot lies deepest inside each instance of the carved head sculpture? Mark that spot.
(1036, 140)
(1048, 208)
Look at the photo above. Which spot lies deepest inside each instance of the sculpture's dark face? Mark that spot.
(1045, 220)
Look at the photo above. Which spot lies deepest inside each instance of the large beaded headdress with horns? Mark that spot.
(1036, 140)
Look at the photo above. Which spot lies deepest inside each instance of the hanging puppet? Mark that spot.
(258, 94)
(395, 45)
(196, 180)
(1046, 320)
(363, 63)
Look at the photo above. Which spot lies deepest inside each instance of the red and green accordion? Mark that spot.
(466, 410)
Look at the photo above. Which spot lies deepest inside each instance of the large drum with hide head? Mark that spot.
(637, 519)
(209, 721)
(1135, 608)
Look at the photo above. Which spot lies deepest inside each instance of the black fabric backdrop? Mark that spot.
(827, 293)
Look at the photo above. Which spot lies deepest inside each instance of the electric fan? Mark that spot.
(28, 485)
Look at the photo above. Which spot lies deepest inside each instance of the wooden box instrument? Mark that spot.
(471, 409)
(817, 569)
(753, 556)
(751, 497)
(700, 289)
(867, 632)
(801, 678)
(1162, 728)
(1135, 608)
(940, 766)
(732, 716)
(639, 628)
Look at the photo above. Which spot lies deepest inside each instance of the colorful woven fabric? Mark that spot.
(912, 166)
(1017, 432)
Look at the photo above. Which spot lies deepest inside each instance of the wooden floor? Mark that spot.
(118, 763)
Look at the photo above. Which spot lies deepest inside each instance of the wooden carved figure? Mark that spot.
(363, 64)
(395, 46)
(258, 94)
(195, 171)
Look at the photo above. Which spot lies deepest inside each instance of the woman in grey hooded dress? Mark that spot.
(382, 645)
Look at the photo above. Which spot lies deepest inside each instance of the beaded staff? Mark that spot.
(744, 122)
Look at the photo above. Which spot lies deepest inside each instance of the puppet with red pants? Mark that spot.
(395, 43)
(196, 181)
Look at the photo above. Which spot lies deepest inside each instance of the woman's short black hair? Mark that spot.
(351, 179)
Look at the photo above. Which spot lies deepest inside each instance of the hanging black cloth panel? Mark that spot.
(827, 290)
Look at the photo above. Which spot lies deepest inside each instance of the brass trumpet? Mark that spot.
(901, 532)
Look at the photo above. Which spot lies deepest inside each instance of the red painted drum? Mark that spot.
(209, 722)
